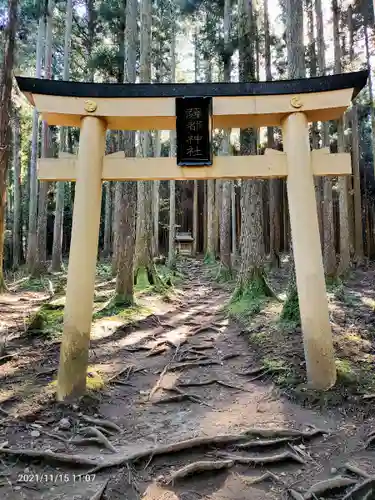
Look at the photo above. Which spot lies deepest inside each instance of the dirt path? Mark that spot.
(193, 329)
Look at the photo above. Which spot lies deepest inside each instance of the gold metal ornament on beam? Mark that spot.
(90, 106)
(296, 102)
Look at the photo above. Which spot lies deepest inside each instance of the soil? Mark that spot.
(191, 327)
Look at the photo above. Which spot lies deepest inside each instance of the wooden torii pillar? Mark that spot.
(291, 104)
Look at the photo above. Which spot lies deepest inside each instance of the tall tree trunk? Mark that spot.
(314, 126)
(17, 248)
(358, 226)
(144, 200)
(210, 205)
(156, 199)
(107, 219)
(365, 11)
(225, 212)
(33, 199)
(274, 184)
(195, 194)
(234, 221)
(172, 152)
(41, 256)
(329, 252)
(56, 264)
(90, 41)
(296, 69)
(5, 110)
(128, 191)
(250, 278)
(195, 218)
(342, 180)
(210, 254)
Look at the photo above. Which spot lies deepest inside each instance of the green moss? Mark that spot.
(248, 300)
(282, 373)
(104, 270)
(346, 375)
(209, 258)
(127, 313)
(33, 285)
(123, 300)
(333, 284)
(47, 321)
(94, 381)
(290, 314)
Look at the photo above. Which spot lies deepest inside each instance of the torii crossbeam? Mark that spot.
(291, 104)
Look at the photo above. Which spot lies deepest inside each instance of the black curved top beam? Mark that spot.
(62, 88)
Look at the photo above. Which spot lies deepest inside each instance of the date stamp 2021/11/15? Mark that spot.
(29, 477)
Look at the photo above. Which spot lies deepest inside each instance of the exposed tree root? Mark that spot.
(200, 347)
(100, 437)
(178, 398)
(369, 396)
(198, 467)
(255, 371)
(275, 433)
(108, 432)
(267, 459)
(129, 370)
(210, 382)
(49, 456)
(138, 348)
(203, 328)
(356, 470)
(155, 351)
(264, 477)
(55, 436)
(98, 495)
(119, 459)
(196, 356)
(120, 382)
(101, 423)
(370, 441)
(329, 485)
(257, 377)
(231, 356)
(157, 386)
(264, 443)
(193, 364)
(295, 495)
(363, 491)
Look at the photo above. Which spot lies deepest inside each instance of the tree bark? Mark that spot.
(5, 109)
(344, 263)
(250, 278)
(195, 218)
(127, 191)
(358, 226)
(296, 69)
(107, 219)
(210, 252)
(329, 252)
(56, 264)
(41, 255)
(17, 245)
(172, 152)
(33, 200)
(273, 184)
(144, 194)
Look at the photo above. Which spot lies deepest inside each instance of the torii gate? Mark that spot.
(96, 107)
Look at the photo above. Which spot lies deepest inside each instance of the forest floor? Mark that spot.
(183, 379)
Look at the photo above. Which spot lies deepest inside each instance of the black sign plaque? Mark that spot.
(194, 131)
